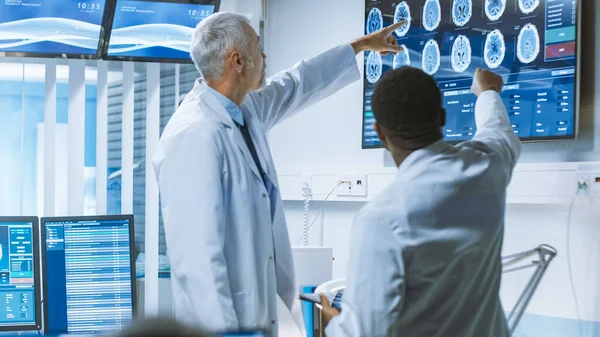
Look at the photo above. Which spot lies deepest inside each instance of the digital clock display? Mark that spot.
(93, 6)
(64, 27)
(155, 29)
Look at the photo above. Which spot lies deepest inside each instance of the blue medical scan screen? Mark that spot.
(157, 30)
(51, 26)
(531, 43)
(17, 274)
(88, 276)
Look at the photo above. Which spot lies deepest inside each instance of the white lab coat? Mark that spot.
(229, 260)
(425, 253)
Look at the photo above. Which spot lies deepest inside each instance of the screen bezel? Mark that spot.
(36, 274)
(128, 217)
(577, 98)
(105, 56)
(106, 18)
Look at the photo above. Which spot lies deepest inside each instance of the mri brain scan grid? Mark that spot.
(533, 44)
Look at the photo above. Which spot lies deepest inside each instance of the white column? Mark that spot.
(101, 137)
(127, 139)
(152, 135)
(177, 80)
(76, 137)
(50, 140)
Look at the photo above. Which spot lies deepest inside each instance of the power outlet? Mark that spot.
(583, 183)
(594, 184)
(352, 186)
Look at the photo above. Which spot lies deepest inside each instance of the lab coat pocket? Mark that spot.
(245, 308)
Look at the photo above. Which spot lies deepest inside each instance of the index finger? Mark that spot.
(395, 26)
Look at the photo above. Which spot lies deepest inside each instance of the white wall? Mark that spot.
(326, 139)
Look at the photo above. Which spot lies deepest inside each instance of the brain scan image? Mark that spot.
(461, 12)
(432, 14)
(402, 58)
(374, 67)
(430, 62)
(494, 49)
(528, 44)
(402, 13)
(374, 20)
(494, 9)
(528, 6)
(461, 54)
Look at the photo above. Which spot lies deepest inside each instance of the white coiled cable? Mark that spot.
(306, 193)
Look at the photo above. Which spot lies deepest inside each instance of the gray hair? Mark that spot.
(215, 38)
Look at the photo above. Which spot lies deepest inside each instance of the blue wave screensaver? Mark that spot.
(155, 29)
(51, 27)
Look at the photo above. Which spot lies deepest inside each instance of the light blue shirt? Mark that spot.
(238, 117)
(232, 108)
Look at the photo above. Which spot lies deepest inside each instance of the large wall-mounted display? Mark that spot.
(155, 31)
(533, 44)
(52, 28)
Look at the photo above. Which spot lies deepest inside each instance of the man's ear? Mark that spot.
(442, 117)
(237, 61)
(381, 135)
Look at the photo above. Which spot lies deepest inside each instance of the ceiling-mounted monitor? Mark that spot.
(533, 44)
(53, 28)
(155, 30)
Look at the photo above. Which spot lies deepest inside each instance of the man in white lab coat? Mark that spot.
(425, 254)
(226, 233)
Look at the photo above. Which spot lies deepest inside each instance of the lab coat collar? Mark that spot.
(208, 100)
(232, 108)
(433, 149)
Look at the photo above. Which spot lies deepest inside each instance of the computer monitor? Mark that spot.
(534, 45)
(56, 28)
(88, 274)
(155, 30)
(20, 298)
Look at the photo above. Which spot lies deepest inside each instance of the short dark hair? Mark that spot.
(407, 103)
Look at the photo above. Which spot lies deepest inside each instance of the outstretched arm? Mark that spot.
(493, 126)
(310, 81)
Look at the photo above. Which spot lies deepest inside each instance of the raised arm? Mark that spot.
(310, 81)
(190, 181)
(307, 83)
(493, 126)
